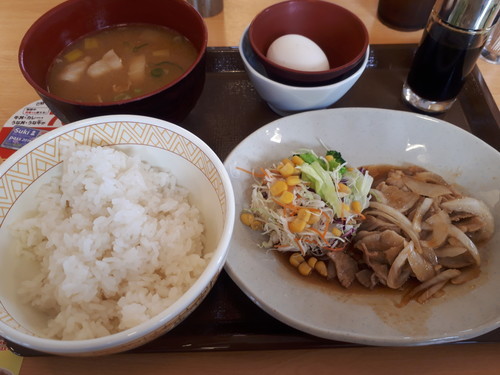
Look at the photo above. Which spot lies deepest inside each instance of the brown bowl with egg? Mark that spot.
(83, 60)
(287, 34)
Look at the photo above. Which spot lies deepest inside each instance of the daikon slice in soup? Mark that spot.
(120, 63)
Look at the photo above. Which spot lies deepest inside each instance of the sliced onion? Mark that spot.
(398, 218)
(397, 275)
(402, 222)
(419, 214)
(466, 275)
(427, 176)
(475, 207)
(424, 188)
(450, 251)
(466, 241)
(431, 291)
(378, 195)
(440, 223)
(458, 262)
(421, 267)
(442, 277)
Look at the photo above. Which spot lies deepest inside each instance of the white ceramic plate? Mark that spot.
(369, 136)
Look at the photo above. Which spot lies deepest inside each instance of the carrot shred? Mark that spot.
(333, 248)
(264, 172)
(294, 208)
(280, 246)
(288, 206)
(328, 218)
(322, 235)
(251, 173)
(327, 225)
(297, 241)
(310, 241)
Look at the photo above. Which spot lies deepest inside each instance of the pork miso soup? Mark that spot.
(120, 63)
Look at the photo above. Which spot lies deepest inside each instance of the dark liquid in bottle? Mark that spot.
(442, 62)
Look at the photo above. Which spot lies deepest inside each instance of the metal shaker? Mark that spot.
(450, 46)
(207, 8)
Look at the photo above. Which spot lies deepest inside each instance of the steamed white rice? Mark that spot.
(117, 242)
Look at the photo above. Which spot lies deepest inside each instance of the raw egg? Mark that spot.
(297, 52)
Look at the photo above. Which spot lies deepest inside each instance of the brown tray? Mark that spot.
(228, 111)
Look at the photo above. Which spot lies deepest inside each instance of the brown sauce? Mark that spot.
(379, 172)
(388, 304)
(391, 306)
(334, 286)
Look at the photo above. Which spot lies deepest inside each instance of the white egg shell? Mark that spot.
(297, 52)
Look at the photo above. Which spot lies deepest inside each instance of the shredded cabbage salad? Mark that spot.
(308, 203)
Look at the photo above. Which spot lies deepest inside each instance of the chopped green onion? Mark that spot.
(122, 96)
(157, 72)
(170, 64)
(137, 48)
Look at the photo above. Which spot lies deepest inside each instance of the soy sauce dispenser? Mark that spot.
(451, 43)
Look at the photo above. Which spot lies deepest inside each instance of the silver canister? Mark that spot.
(450, 46)
(470, 15)
(207, 8)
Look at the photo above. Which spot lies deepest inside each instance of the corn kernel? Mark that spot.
(312, 261)
(297, 160)
(314, 218)
(293, 180)
(329, 157)
(278, 187)
(336, 232)
(296, 259)
(297, 225)
(286, 197)
(286, 169)
(90, 43)
(356, 207)
(321, 268)
(304, 214)
(343, 188)
(257, 225)
(247, 218)
(73, 55)
(286, 161)
(305, 269)
(345, 208)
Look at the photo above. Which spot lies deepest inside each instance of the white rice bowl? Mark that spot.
(141, 246)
